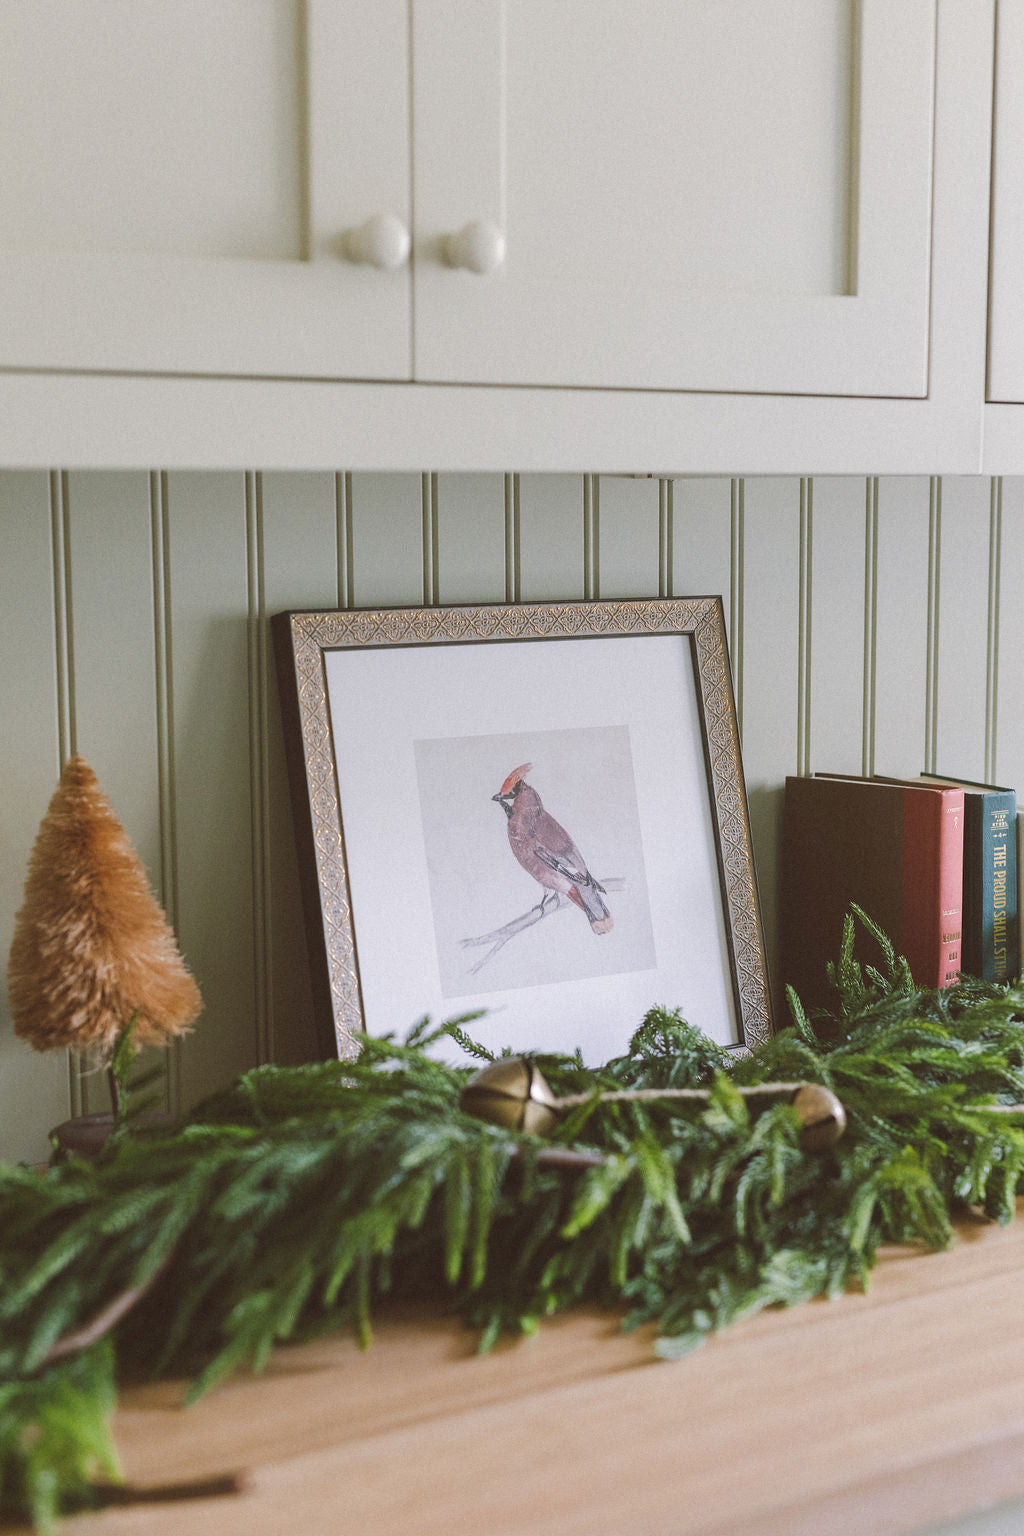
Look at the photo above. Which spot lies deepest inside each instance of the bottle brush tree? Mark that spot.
(94, 966)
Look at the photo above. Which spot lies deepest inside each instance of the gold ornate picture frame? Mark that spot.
(533, 812)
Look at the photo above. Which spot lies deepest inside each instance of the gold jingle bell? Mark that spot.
(821, 1114)
(511, 1093)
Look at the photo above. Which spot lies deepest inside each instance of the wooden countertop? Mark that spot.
(881, 1413)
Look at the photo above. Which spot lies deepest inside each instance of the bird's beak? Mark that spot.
(496, 797)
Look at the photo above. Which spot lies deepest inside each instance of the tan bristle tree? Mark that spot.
(92, 951)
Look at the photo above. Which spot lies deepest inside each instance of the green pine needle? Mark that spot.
(298, 1198)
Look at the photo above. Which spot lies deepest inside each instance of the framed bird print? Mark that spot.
(532, 811)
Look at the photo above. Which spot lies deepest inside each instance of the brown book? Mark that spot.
(893, 848)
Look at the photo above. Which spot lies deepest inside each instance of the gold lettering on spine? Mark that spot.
(999, 862)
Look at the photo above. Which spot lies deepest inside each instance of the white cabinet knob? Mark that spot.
(478, 247)
(382, 241)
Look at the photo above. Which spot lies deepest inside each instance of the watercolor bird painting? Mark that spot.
(547, 852)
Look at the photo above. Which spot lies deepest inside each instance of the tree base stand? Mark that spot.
(87, 1135)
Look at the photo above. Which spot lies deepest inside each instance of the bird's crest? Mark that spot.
(514, 777)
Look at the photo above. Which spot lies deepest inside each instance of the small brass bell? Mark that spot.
(511, 1093)
(821, 1114)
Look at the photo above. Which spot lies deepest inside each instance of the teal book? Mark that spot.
(991, 935)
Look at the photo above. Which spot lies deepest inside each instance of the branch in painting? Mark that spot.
(554, 901)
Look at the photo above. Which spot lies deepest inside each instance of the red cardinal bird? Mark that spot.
(547, 852)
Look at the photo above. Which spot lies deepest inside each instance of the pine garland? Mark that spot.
(301, 1196)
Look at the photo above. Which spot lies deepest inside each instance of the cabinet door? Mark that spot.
(1006, 320)
(727, 196)
(176, 181)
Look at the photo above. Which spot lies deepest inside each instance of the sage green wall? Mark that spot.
(874, 625)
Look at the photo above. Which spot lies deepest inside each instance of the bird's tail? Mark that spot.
(588, 898)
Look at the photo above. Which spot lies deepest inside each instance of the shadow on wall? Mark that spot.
(765, 806)
(238, 902)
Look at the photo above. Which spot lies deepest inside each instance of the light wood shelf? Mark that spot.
(880, 1413)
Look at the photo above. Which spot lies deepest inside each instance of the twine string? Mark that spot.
(624, 1095)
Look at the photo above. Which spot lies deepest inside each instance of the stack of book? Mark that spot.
(933, 861)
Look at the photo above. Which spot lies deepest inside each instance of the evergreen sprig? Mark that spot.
(55, 1437)
(300, 1197)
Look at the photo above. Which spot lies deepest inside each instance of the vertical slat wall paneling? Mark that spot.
(114, 625)
(210, 605)
(429, 536)
(931, 705)
(874, 625)
(304, 540)
(995, 561)
(63, 634)
(803, 644)
(164, 712)
(550, 524)
(60, 538)
(471, 544)
(707, 536)
(835, 595)
(901, 623)
(259, 761)
(771, 680)
(33, 1085)
(962, 693)
(387, 515)
(513, 540)
(737, 502)
(702, 542)
(870, 622)
(1008, 766)
(666, 536)
(628, 512)
(591, 537)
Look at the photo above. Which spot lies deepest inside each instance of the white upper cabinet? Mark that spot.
(677, 196)
(680, 236)
(729, 196)
(1006, 329)
(179, 181)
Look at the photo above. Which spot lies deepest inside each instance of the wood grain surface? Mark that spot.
(879, 1413)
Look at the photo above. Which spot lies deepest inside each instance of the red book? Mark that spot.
(894, 848)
